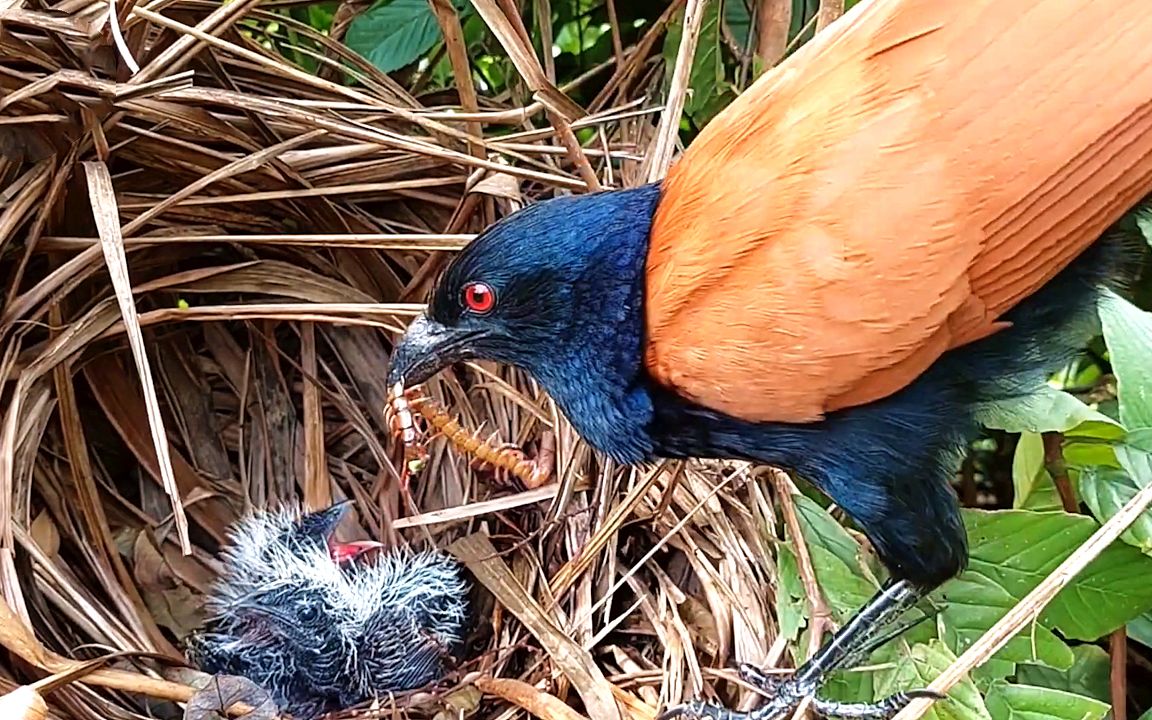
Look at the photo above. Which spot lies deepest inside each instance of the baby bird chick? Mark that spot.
(323, 625)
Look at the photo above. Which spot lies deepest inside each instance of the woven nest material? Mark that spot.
(211, 255)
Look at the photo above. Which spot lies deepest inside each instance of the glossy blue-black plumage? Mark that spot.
(568, 274)
(888, 463)
(569, 308)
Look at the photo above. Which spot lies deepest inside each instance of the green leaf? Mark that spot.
(1028, 702)
(580, 35)
(859, 684)
(1136, 461)
(918, 668)
(836, 562)
(849, 686)
(394, 33)
(1027, 467)
(845, 589)
(1033, 489)
(1128, 335)
(975, 603)
(320, 15)
(993, 670)
(836, 559)
(1093, 444)
(1089, 675)
(820, 528)
(706, 79)
(1140, 439)
(1140, 630)
(1046, 409)
(791, 610)
(1144, 222)
(1106, 490)
(739, 21)
(1016, 549)
(1044, 497)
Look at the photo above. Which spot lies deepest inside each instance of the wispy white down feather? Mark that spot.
(381, 624)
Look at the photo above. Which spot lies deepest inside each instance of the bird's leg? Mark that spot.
(884, 632)
(855, 639)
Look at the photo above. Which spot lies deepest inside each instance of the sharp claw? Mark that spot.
(788, 696)
(925, 693)
(885, 709)
(778, 709)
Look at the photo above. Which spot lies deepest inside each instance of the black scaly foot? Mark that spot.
(780, 709)
(854, 641)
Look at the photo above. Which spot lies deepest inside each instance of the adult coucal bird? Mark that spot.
(323, 625)
(906, 219)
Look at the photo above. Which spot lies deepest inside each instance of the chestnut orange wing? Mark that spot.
(888, 192)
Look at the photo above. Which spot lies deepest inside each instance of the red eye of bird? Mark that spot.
(479, 297)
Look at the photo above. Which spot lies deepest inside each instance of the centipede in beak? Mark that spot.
(404, 405)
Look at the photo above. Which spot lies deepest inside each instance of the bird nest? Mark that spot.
(207, 251)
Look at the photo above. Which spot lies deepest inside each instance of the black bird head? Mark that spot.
(297, 612)
(303, 615)
(557, 290)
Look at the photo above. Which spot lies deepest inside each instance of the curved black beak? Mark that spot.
(321, 524)
(426, 348)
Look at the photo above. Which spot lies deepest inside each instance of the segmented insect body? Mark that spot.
(403, 424)
(505, 457)
(400, 416)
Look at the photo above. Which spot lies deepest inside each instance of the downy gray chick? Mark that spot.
(323, 625)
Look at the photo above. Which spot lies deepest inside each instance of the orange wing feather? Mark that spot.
(889, 192)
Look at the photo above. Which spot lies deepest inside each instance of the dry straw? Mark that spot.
(205, 252)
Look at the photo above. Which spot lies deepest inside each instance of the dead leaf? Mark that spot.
(539, 703)
(173, 604)
(43, 531)
(500, 185)
(462, 702)
(23, 703)
(222, 691)
(577, 664)
(103, 199)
